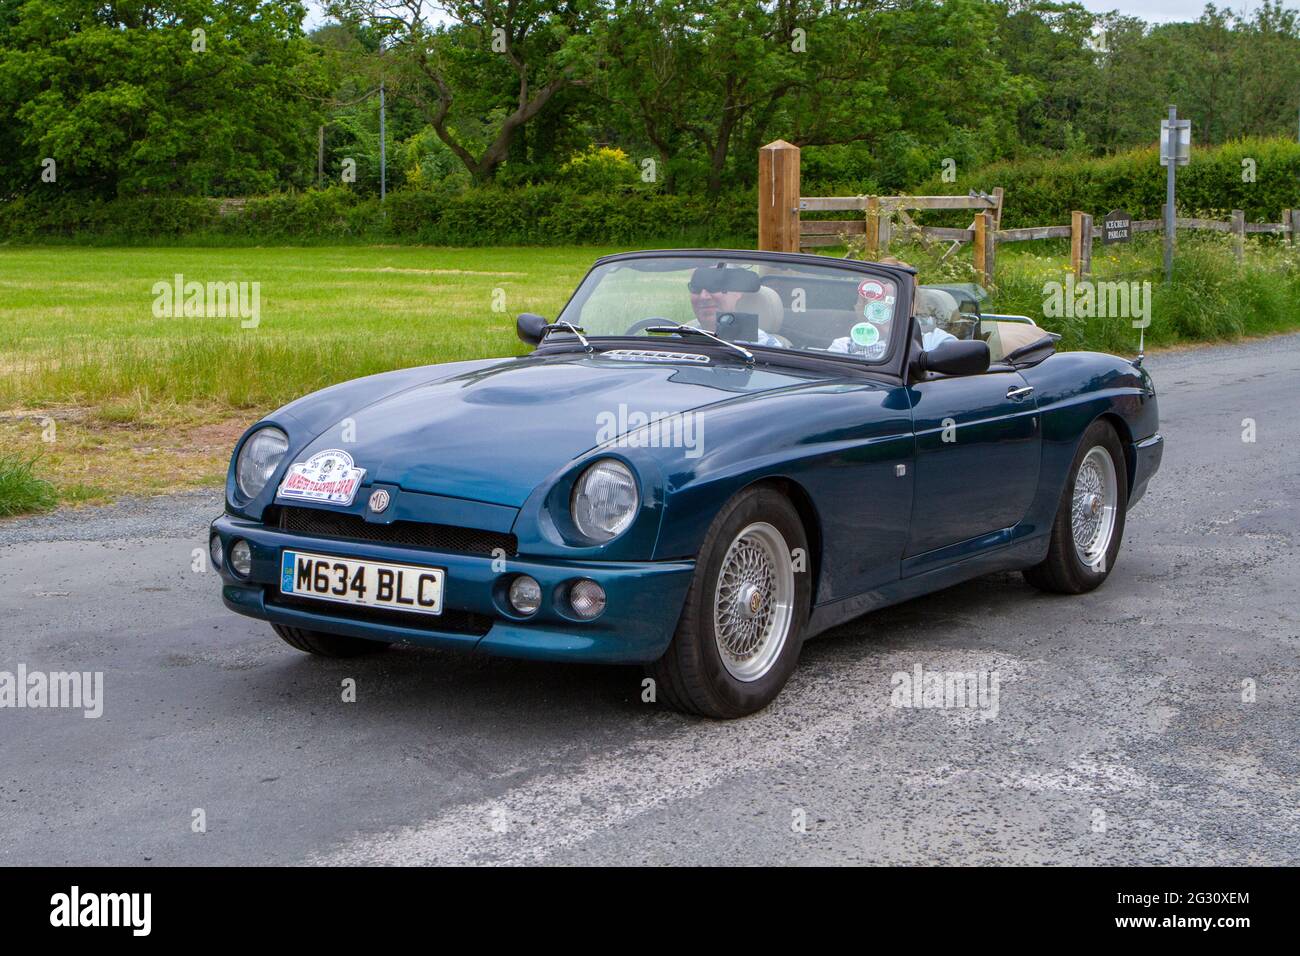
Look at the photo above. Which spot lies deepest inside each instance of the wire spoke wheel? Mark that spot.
(753, 604)
(1092, 508)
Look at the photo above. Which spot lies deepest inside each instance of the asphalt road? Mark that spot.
(1121, 734)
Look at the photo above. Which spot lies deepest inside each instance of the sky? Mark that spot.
(1163, 11)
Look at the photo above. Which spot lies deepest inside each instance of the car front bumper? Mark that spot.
(643, 600)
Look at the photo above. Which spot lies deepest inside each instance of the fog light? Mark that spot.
(525, 595)
(587, 599)
(214, 549)
(241, 558)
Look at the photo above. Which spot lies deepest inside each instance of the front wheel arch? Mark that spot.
(692, 675)
(799, 497)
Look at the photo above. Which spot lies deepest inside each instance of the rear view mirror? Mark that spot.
(718, 279)
(530, 328)
(958, 357)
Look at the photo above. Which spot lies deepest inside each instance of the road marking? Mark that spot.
(553, 811)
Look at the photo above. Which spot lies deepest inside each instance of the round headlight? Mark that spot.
(258, 460)
(525, 595)
(241, 558)
(605, 500)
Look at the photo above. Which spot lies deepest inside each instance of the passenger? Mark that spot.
(870, 337)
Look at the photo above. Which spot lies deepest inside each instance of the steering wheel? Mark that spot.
(643, 324)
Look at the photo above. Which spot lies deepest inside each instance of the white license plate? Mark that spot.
(397, 587)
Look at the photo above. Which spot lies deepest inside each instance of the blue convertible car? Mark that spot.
(708, 457)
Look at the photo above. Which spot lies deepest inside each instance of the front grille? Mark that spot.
(450, 621)
(317, 522)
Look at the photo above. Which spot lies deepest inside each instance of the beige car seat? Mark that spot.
(766, 304)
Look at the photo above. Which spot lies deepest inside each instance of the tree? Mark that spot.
(479, 70)
(154, 96)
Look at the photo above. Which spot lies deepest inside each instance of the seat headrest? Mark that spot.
(766, 304)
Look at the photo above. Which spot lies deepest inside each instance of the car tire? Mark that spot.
(327, 645)
(1098, 487)
(741, 629)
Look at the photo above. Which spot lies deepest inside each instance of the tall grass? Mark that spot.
(21, 490)
(1211, 297)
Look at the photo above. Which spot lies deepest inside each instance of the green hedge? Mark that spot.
(532, 215)
(1039, 192)
(1043, 192)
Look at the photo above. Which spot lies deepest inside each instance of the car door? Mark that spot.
(978, 445)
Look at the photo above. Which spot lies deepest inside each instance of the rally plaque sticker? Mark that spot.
(870, 289)
(328, 476)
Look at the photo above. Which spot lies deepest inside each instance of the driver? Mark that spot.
(710, 298)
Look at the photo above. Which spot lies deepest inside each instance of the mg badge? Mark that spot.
(379, 501)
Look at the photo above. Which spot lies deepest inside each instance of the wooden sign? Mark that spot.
(1116, 227)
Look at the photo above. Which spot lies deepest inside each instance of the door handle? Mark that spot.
(1018, 393)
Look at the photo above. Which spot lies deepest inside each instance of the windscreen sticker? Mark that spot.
(864, 333)
(871, 289)
(878, 312)
(328, 476)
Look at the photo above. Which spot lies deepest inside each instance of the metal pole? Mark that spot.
(383, 148)
(1170, 218)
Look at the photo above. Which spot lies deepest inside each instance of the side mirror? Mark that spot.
(960, 357)
(529, 328)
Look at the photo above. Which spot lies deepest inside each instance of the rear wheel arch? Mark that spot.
(1065, 569)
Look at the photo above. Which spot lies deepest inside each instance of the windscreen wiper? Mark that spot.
(696, 330)
(560, 325)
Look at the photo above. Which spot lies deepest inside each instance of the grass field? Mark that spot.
(106, 396)
(112, 398)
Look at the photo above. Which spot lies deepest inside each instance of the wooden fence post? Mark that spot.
(1294, 221)
(1286, 226)
(1239, 235)
(1081, 244)
(886, 232)
(871, 229)
(998, 193)
(778, 197)
(983, 247)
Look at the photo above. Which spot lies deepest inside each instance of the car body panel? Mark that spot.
(493, 433)
(978, 457)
